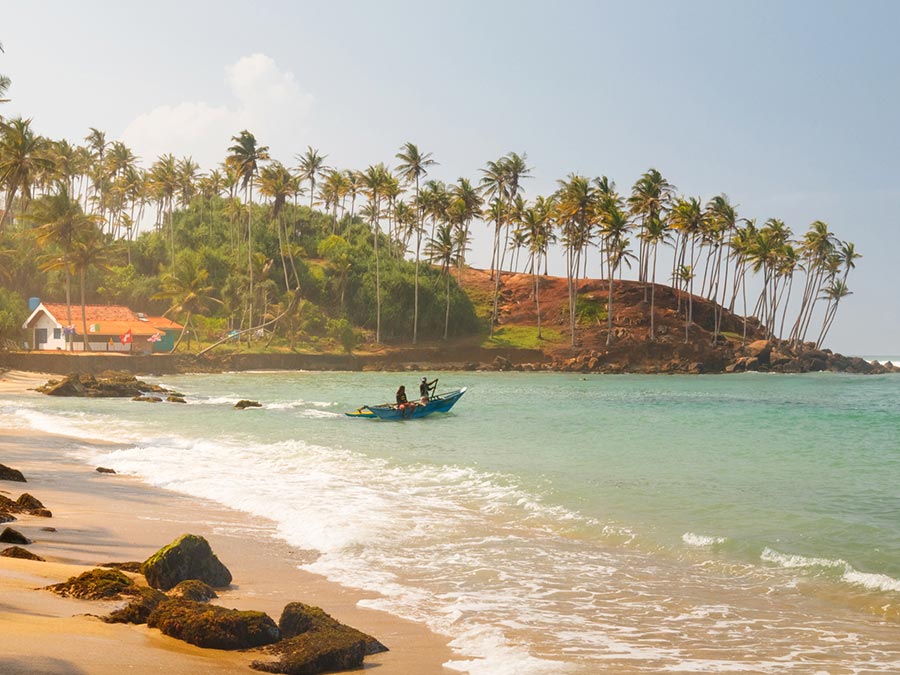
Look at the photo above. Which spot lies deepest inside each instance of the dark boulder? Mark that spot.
(103, 469)
(313, 642)
(8, 505)
(11, 536)
(139, 609)
(18, 552)
(172, 398)
(204, 625)
(244, 403)
(43, 513)
(188, 557)
(192, 589)
(97, 584)
(27, 503)
(48, 529)
(147, 399)
(6, 517)
(6, 473)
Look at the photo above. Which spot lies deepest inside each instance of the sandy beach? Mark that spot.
(101, 518)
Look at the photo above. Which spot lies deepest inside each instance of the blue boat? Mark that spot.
(411, 411)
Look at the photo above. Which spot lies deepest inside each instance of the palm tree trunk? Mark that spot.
(84, 335)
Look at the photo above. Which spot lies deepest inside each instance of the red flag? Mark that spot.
(126, 337)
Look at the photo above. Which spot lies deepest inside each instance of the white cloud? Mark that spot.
(267, 101)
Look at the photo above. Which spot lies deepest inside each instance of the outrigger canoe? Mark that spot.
(388, 411)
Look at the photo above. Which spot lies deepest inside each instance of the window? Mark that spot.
(40, 336)
(57, 333)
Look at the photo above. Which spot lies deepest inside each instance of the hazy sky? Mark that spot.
(790, 108)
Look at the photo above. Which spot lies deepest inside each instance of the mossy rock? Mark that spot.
(19, 552)
(11, 536)
(139, 609)
(205, 625)
(175, 398)
(314, 642)
(6, 473)
(193, 589)
(97, 584)
(188, 557)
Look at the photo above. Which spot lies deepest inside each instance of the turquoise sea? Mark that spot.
(556, 523)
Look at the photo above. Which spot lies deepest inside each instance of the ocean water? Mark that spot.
(557, 523)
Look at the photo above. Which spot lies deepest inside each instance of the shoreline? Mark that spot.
(102, 518)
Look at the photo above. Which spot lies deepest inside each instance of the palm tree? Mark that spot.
(650, 198)
(90, 250)
(163, 181)
(723, 219)
(245, 155)
(277, 183)
(441, 250)
(536, 222)
(615, 225)
(576, 207)
(470, 205)
(375, 179)
(60, 224)
(189, 292)
(413, 165)
(23, 156)
(311, 165)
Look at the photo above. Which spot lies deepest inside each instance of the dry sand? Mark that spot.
(103, 518)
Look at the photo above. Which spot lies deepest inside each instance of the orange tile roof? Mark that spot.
(110, 320)
(93, 313)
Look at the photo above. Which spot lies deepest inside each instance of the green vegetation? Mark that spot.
(320, 258)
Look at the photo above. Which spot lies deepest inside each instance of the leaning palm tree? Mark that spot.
(312, 164)
(413, 166)
(375, 180)
(245, 155)
(277, 183)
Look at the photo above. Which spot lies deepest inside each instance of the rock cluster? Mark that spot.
(24, 504)
(777, 356)
(113, 385)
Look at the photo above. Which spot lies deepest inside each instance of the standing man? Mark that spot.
(426, 389)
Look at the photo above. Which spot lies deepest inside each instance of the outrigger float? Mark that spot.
(410, 411)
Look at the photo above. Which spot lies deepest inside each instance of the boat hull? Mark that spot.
(441, 403)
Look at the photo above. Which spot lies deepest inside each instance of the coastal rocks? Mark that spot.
(6, 517)
(188, 557)
(313, 642)
(11, 536)
(759, 349)
(133, 567)
(147, 399)
(139, 609)
(172, 398)
(24, 504)
(192, 589)
(21, 553)
(244, 403)
(6, 473)
(212, 626)
(96, 584)
(117, 385)
(103, 469)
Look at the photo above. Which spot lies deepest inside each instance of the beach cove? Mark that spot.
(551, 523)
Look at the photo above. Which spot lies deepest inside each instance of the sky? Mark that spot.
(789, 108)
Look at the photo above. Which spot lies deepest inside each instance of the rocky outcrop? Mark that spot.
(118, 385)
(11, 536)
(15, 475)
(103, 469)
(173, 398)
(97, 584)
(24, 504)
(244, 403)
(188, 557)
(6, 517)
(19, 552)
(147, 399)
(314, 642)
(204, 625)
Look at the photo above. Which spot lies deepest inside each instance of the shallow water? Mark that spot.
(561, 523)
